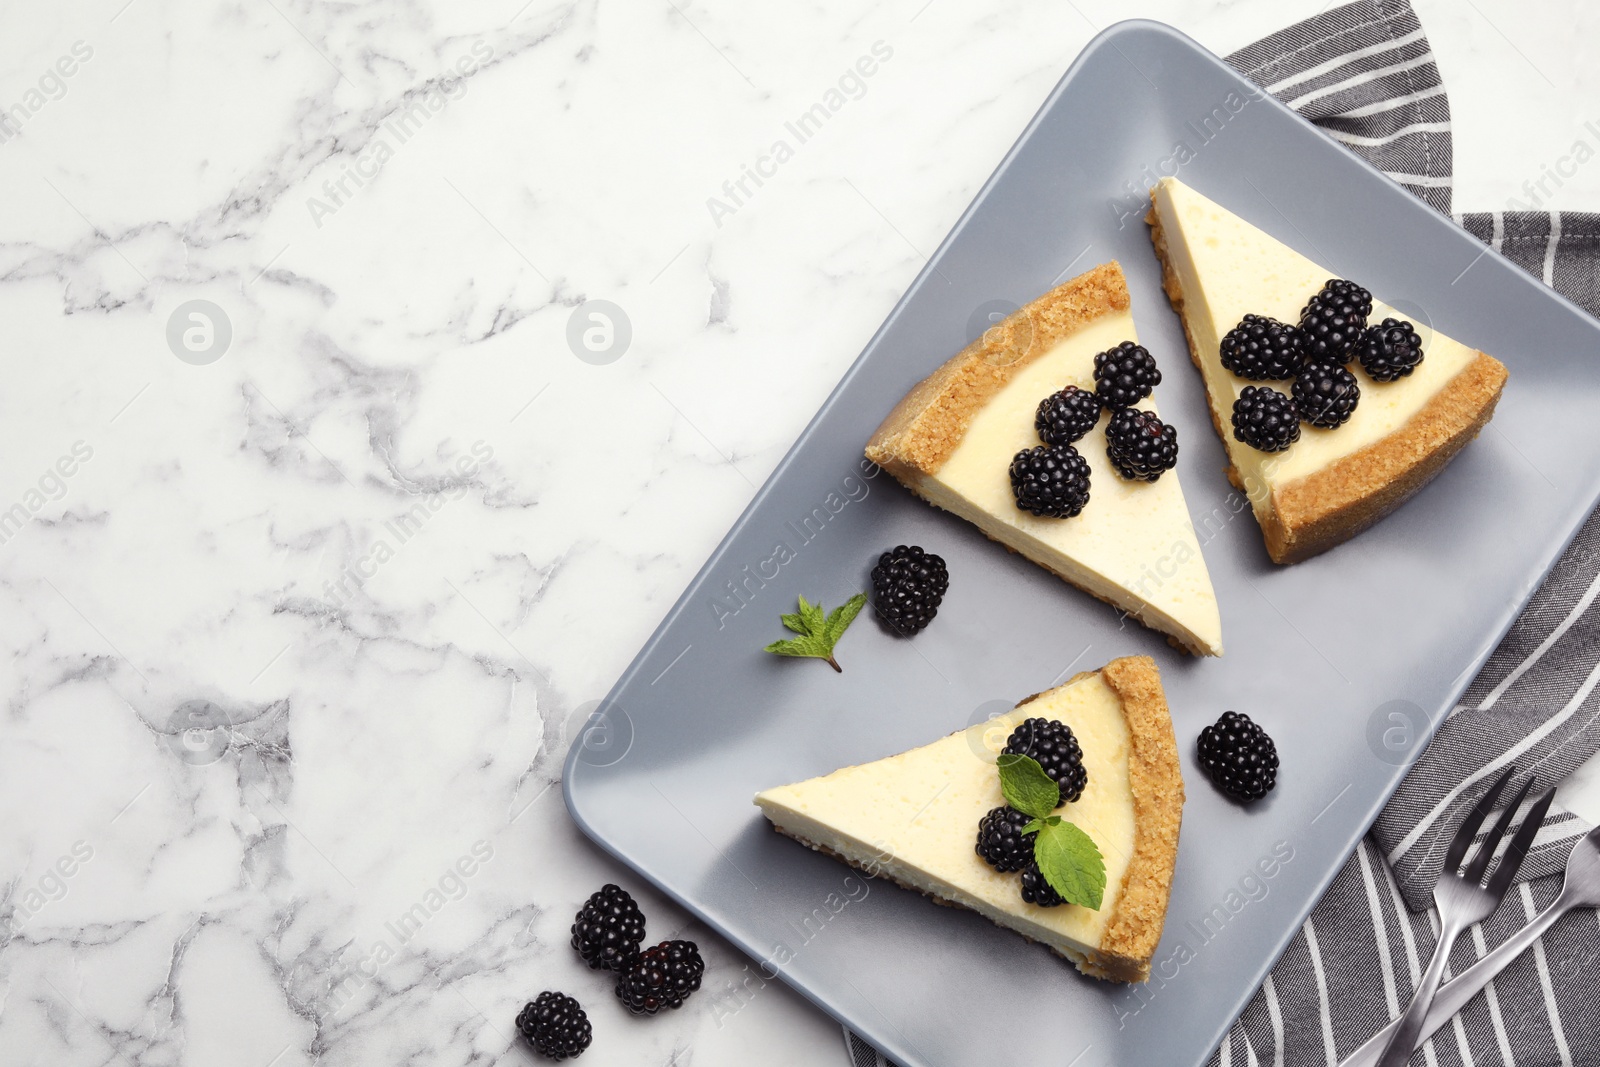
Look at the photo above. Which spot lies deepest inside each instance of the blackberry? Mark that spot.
(1239, 757)
(1140, 445)
(1332, 321)
(1262, 349)
(1125, 375)
(608, 929)
(1325, 394)
(1064, 417)
(907, 587)
(1266, 419)
(555, 1025)
(1001, 842)
(1035, 890)
(1390, 351)
(1050, 480)
(1053, 744)
(663, 978)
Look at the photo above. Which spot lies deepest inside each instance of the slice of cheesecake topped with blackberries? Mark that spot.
(939, 820)
(1333, 406)
(1044, 434)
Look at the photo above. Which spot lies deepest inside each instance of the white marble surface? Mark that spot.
(225, 534)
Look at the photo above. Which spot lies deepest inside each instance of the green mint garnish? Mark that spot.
(818, 632)
(1070, 861)
(1067, 857)
(1026, 787)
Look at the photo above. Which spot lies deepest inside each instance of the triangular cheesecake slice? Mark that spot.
(952, 438)
(1331, 483)
(913, 818)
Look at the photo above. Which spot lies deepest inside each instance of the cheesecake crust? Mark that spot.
(929, 422)
(1310, 515)
(1321, 510)
(1155, 778)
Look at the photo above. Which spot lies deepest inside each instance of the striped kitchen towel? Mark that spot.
(1365, 73)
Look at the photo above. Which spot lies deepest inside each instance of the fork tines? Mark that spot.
(1515, 852)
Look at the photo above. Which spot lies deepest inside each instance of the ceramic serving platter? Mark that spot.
(1350, 659)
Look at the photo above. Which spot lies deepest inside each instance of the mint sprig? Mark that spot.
(1070, 861)
(819, 632)
(1067, 857)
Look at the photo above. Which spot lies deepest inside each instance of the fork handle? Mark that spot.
(1408, 1031)
(1459, 991)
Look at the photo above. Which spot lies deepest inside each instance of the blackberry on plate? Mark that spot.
(1001, 842)
(1035, 890)
(555, 1025)
(1140, 445)
(1056, 749)
(1325, 395)
(663, 978)
(1333, 320)
(908, 585)
(1389, 351)
(1262, 349)
(1264, 418)
(608, 929)
(1064, 417)
(1239, 757)
(1050, 480)
(1125, 375)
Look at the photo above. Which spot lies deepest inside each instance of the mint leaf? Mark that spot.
(842, 616)
(811, 617)
(1026, 787)
(1071, 862)
(818, 631)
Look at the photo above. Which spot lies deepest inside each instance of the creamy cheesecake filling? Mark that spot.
(1133, 545)
(1226, 269)
(914, 817)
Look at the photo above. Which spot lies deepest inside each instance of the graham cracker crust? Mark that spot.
(929, 422)
(1156, 777)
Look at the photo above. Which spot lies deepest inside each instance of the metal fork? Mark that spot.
(1462, 899)
(1580, 888)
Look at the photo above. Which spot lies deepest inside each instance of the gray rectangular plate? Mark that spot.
(1350, 659)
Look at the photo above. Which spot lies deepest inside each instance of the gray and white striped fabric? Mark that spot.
(1365, 74)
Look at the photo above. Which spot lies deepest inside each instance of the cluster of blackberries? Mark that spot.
(609, 929)
(1140, 445)
(555, 1025)
(1050, 480)
(663, 978)
(1054, 747)
(1125, 375)
(1053, 479)
(1001, 842)
(607, 933)
(908, 585)
(1332, 331)
(1239, 757)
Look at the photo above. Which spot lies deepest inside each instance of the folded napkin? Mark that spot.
(1365, 74)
